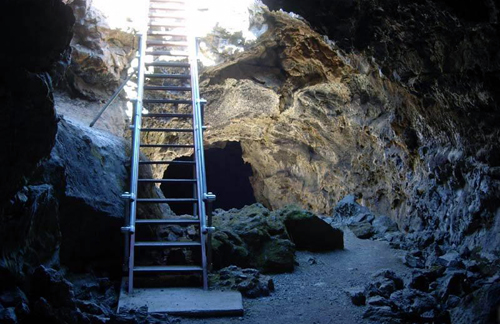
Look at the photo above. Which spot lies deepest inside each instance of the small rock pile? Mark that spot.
(249, 282)
(440, 295)
(50, 298)
(388, 300)
(363, 223)
(448, 284)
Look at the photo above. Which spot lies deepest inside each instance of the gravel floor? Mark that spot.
(314, 292)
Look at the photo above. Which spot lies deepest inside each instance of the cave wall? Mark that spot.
(60, 201)
(446, 55)
(444, 52)
(28, 121)
(318, 121)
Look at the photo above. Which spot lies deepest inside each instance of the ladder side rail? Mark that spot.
(113, 97)
(136, 155)
(136, 144)
(198, 142)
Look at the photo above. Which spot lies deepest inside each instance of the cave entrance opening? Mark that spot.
(228, 176)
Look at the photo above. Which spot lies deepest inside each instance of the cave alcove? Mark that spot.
(228, 176)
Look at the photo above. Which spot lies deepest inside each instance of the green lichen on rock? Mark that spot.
(249, 282)
(255, 237)
(251, 237)
(276, 256)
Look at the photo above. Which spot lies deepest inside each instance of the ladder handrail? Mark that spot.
(113, 97)
(136, 143)
(198, 142)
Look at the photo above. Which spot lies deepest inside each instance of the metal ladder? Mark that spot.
(168, 20)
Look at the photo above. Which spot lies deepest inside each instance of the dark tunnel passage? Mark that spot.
(228, 176)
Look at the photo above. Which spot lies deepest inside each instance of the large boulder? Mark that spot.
(89, 167)
(255, 237)
(309, 232)
(73, 208)
(252, 237)
(483, 306)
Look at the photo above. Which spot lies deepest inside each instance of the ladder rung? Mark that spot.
(167, 180)
(169, 145)
(166, 16)
(168, 162)
(169, 64)
(166, 43)
(166, 33)
(167, 101)
(167, 88)
(168, 221)
(167, 53)
(168, 24)
(168, 130)
(167, 8)
(169, 1)
(167, 76)
(166, 200)
(167, 244)
(168, 115)
(168, 269)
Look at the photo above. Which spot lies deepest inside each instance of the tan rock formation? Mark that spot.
(312, 127)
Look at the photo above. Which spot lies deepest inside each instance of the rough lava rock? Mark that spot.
(309, 232)
(252, 237)
(481, 307)
(72, 210)
(255, 237)
(101, 54)
(361, 221)
(249, 282)
(28, 125)
(448, 129)
(30, 232)
(90, 165)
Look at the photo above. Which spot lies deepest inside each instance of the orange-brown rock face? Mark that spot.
(309, 123)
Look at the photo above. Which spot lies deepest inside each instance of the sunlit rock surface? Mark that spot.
(311, 126)
(102, 50)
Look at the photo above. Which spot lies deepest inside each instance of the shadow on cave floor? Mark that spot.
(228, 176)
(314, 292)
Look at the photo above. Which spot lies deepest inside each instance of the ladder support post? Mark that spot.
(203, 103)
(209, 236)
(113, 97)
(126, 235)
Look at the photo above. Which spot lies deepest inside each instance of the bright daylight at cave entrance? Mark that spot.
(250, 161)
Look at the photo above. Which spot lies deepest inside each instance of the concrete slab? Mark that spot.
(183, 301)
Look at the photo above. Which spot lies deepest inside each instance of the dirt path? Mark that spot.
(314, 292)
